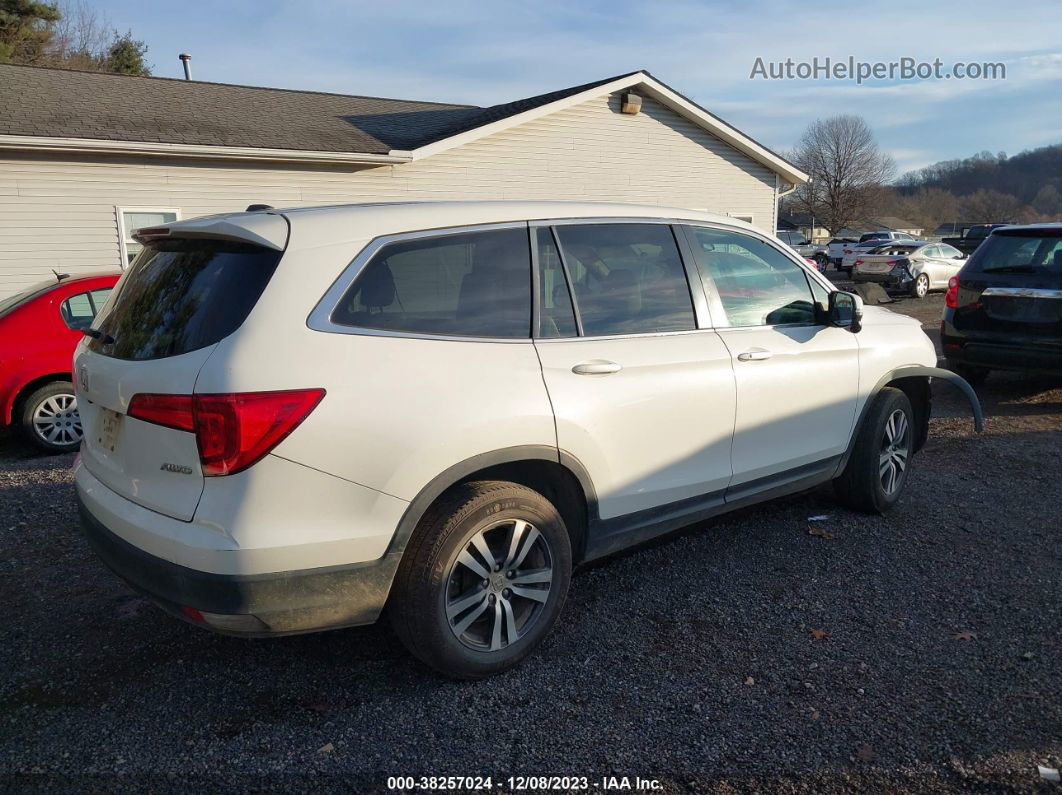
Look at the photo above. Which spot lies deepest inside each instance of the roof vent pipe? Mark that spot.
(186, 59)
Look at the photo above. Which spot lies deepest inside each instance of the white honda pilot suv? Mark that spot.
(296, 419)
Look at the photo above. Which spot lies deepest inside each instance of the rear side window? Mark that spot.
(1038, 253)
(472, 284)
(627, 278)
(182, 295)
(556, 316)
(80, 310)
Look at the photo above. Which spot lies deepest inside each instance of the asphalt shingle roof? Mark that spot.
(70, 104)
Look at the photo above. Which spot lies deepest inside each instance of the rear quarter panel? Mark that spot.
(398, 411)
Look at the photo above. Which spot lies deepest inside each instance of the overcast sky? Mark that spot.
(487, 52)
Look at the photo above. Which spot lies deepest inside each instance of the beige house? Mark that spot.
(85, 158)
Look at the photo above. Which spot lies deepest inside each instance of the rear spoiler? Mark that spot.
(268, 230)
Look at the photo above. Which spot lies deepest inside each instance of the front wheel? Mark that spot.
(920, 288)
(822, 261)
(483, 580)
(880, 462)
(50, 420)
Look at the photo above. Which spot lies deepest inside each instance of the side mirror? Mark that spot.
(846, 311)
(961, 255)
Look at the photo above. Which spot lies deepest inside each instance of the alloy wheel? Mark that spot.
(56, 420)
(498, 586)
(922, 286)
(895, 448)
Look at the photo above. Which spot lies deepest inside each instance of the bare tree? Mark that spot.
(848, 172)
(79, 36)
(991, 206)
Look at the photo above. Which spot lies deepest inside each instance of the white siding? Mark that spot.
(59, 211)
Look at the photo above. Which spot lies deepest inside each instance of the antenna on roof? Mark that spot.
(186, 59)
(60, 276)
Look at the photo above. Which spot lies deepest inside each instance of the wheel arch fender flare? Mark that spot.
(914, 371)
(462, 470)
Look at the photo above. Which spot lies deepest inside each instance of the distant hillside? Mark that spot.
(1031, 177)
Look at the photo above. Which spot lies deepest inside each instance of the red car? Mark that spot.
(39, 329)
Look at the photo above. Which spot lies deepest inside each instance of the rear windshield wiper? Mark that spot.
(96, 334)
(1011, 269)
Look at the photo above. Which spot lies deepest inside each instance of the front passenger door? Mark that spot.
(643, 394)
(797, 378)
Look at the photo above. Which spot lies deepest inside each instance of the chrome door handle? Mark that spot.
(597, 367)
(754, 355)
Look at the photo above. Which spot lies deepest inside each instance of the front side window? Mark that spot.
(627, 278)
(131, 219)
(470, 284)
(756, 284)
(78, 311)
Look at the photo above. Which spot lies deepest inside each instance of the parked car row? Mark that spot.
(286, 428)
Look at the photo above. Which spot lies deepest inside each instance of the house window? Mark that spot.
(132, 218)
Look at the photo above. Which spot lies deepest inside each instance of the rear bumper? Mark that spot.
(889, 279)
(998, 352)
(282, 602)
(993, 356)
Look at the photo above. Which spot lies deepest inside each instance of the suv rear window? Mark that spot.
(182, 295)
(1021, 251)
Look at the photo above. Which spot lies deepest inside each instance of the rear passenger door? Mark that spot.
(642, 389)
(950, 262)
(797, 378)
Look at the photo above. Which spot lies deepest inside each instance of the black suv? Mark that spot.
(1003, 311)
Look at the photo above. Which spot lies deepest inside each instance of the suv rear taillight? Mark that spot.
(951, 297)
(232, 431)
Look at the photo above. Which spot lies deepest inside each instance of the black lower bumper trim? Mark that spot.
(291, 601)
(1022, 358)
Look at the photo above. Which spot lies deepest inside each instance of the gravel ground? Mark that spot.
(918, 651)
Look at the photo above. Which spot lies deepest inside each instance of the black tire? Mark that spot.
(860, 486)
(66, 427)
(974, 376)
(920, 286)
(822, 260)
(428, 579)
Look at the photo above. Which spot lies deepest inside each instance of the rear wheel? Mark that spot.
(920, 288)
(880, 462)
(50, 420)
(821, 260)
(483, 580)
